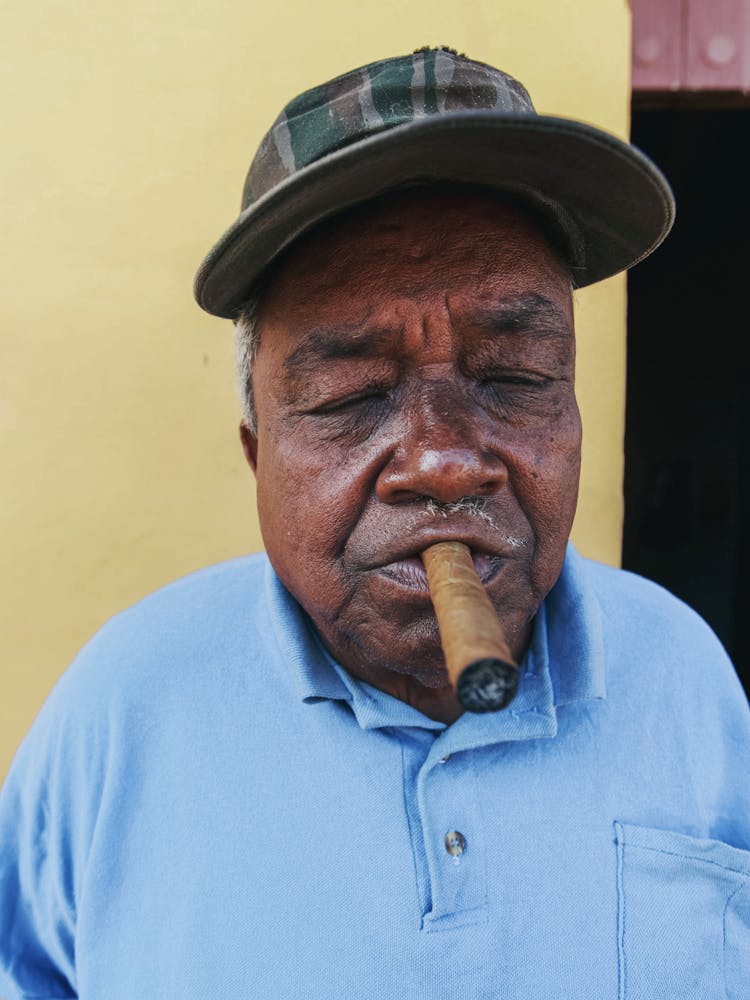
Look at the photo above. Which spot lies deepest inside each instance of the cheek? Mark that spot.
(307, 502)
(558, 460)
(547, 443)
(546, 477)
(556, 473)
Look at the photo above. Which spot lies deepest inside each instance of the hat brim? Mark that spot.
(613, 203)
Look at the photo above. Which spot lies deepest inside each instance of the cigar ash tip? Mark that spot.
(487, 685)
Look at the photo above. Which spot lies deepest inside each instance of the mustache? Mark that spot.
(474, 507)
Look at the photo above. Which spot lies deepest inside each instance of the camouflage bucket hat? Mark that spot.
(437, 116)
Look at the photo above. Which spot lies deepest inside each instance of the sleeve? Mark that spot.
(37, 906)
(49, 808)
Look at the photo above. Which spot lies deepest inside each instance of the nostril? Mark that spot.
(486, 488)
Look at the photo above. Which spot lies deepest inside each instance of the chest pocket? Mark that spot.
(683, 916)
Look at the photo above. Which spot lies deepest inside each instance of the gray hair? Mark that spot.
(246, 343)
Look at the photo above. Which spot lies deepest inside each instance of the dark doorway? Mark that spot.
(687, 445)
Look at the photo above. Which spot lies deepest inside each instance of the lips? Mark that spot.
(410, 572)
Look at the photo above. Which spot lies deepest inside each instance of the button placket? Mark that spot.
(453, 842)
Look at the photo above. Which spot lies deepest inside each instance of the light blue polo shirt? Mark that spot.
(209, 807)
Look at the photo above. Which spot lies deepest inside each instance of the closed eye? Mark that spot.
(371, 395)
(514, 378)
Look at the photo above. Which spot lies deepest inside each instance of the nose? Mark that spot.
(445, 454)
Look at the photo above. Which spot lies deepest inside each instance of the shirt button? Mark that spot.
(455, 843)
(444, 760)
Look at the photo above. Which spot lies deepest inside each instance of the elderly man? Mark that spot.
(258, 782)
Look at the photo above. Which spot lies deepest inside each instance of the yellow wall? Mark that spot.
(127, 129)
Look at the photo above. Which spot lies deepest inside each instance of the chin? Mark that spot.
(428, 671)
(435, 680)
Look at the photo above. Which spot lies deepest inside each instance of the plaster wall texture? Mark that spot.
(127, 132)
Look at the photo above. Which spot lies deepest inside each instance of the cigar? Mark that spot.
(478, 660)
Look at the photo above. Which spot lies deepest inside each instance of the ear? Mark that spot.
(249, 445)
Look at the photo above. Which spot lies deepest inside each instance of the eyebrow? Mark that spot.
(336, 343)
(533, 312)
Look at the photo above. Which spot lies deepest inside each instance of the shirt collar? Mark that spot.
(576, 637)
(310, 671)
(564, 664)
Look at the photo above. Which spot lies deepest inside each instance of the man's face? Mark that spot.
(414, 383)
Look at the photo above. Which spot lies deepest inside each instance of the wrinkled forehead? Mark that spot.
(420, 241)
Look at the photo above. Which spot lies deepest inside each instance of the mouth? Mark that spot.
(410, 572)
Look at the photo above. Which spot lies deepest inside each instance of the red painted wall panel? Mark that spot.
(658, 44)
(716, 45)
(691, 44)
